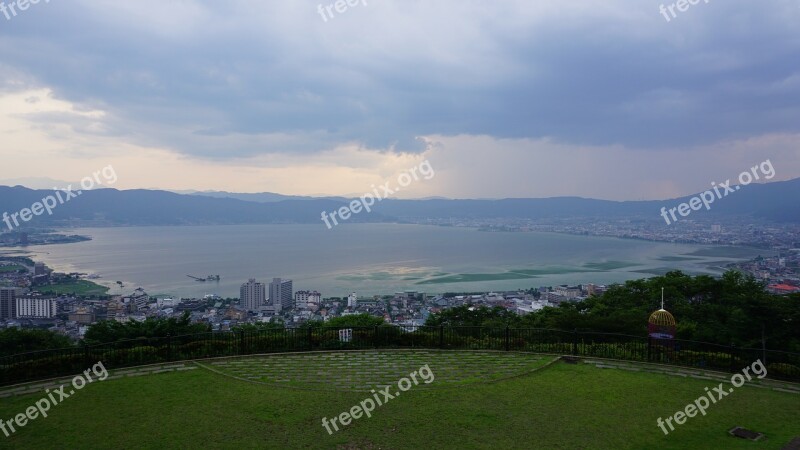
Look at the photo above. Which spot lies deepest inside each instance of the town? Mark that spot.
(30, 306)
(737, 231)
(28, 300)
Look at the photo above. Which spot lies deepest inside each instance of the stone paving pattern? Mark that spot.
(362, 371)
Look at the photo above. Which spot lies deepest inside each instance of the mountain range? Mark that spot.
(777, 201)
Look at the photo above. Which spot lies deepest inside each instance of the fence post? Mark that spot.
(441, 336)
(169, 347)
(575, 342)
(649, 347)
(375, 336)
(241, 342)
(733, 360)
(310, 338)
(507, 336)
(86, 360)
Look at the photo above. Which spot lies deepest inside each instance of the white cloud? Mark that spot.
(516, 98)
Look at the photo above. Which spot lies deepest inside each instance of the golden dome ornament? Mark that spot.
(661, 324)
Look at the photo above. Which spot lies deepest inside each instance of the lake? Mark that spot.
(367, 258)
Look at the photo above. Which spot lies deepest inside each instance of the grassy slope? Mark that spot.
(14, 268)
(564, 406)
(78, 287)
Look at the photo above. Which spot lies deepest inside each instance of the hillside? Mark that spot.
(778, 201)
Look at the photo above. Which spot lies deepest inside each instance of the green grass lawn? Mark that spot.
(11, 268)
(567, 406)
(78, 287)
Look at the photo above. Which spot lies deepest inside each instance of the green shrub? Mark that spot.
(783, 370)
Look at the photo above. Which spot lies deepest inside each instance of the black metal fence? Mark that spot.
(69, 361)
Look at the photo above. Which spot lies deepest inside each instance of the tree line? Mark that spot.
(733, 309)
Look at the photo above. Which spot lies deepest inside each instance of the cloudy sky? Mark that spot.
(506, 98)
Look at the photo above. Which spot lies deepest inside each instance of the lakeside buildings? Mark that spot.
(352, 300)
(307, 299)
(252, 295)
(8, 303)
(36, 307)
(707, 231)
(280, 295)
(20, 306)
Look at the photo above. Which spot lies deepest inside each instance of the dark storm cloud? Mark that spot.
(240, 78)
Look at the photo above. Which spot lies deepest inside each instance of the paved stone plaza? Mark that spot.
(365, 370)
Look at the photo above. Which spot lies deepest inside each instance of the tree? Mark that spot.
(353, 321)
(732, 309)
(260, 326)
(112, 331)
(21, 340)
(473, 316)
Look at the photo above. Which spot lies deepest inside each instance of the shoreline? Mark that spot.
(479, 228)
(437, 275)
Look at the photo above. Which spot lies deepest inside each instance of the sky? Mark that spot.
(509, 98)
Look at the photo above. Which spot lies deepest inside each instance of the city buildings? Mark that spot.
(570, 292)
(40, 272)
(352, 300)
(116, 309)
(21, 306)
(168, 302)
(307, 299)
(252, 295)
(737, 230)
(280, 294)
(138, 301)
(594, 289)
(83, 316)
(8, 303)
(36, 307)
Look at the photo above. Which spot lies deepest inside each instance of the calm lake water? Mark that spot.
(366, 258)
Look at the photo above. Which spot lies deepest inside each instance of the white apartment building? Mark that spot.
(168, 302)
(352, 300)
(306, 299)
(252, 295)
(36, 307)
(569, 292)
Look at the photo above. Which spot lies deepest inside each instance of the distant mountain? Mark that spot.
(36, 182)
(147, 207)
(260, 197)
(779, 201)
(271, 197)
